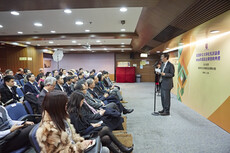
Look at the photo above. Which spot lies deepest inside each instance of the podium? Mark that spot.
(125, 74)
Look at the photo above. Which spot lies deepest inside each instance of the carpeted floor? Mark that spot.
(184, 131)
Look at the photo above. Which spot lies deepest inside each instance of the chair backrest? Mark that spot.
(33, 139)
(22, 82)
(18, 82)
(19, 92)
(16, 111)
(28, 107)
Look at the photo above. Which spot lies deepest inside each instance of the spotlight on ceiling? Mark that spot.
(14, 13)
(123, 9)
(67, 11)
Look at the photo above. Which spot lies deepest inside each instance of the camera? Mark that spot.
(122, 22)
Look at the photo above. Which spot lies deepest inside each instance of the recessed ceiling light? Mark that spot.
(98, 41)
(71, 49)
(87, 30)
(45, 50)
(167, 48)
(51, 42)
(37, 24)
(105, 48)
(67, 11)
(52, 31)
(14, 43)
(92, 36)
(158, 51)
(79, 23)
(14, 13)
(38, 45)
(122, 29)
(79, 43)
(1, 26)
(214, 31)
(122, 43)
(63, 37)
(20, 32)
(123, 35)
(28, 42)
(123, 9)
(35, 37)
(74, 41)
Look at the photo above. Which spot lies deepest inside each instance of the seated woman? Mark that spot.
(13, 134)
(55, 133)
(84, 127)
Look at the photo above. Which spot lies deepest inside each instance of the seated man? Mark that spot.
(50, 83)
(8, 90)
(94, 116)
(31, 86)
(15, 129)
(59, 83)
(67, 85)
(105, 98)
(19, 74)
(107, 82)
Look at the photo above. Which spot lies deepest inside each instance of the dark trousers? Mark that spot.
(165, 99)
(19, 141)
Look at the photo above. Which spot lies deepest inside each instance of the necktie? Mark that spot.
(162, 70)
(36, 88)
(91, 108)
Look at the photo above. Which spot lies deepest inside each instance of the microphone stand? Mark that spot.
(154, 113)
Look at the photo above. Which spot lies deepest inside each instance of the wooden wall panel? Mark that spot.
(147, 72)
(37, 60)
(9, 59)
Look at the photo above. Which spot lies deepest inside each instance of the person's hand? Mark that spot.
(15, 127)
(106, 95)
(86, 143)
(163, 74)
(95, 124)
(102, 112)
(29, 123)
(103, 104)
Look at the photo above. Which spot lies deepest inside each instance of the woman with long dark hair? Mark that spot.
(83, 127)
(55, 133)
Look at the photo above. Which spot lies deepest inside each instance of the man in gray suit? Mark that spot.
(167, 73)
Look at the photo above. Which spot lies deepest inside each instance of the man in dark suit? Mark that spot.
(8, 90)
(59, 83)
(67, 85)
(49, 83)
(167, 73)
(41, 73)
(19, 74)
(31, 86)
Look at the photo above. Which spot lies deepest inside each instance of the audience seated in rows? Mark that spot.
(31, 86)
(84, 127)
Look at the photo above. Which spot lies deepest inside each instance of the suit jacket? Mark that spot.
(57, 87)
(95, 95)
(40, 99)
(95, 103)
(31, 88)
(18, 76)
(68, 89)
(89, 115)
(167, 81)
(7, 94)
